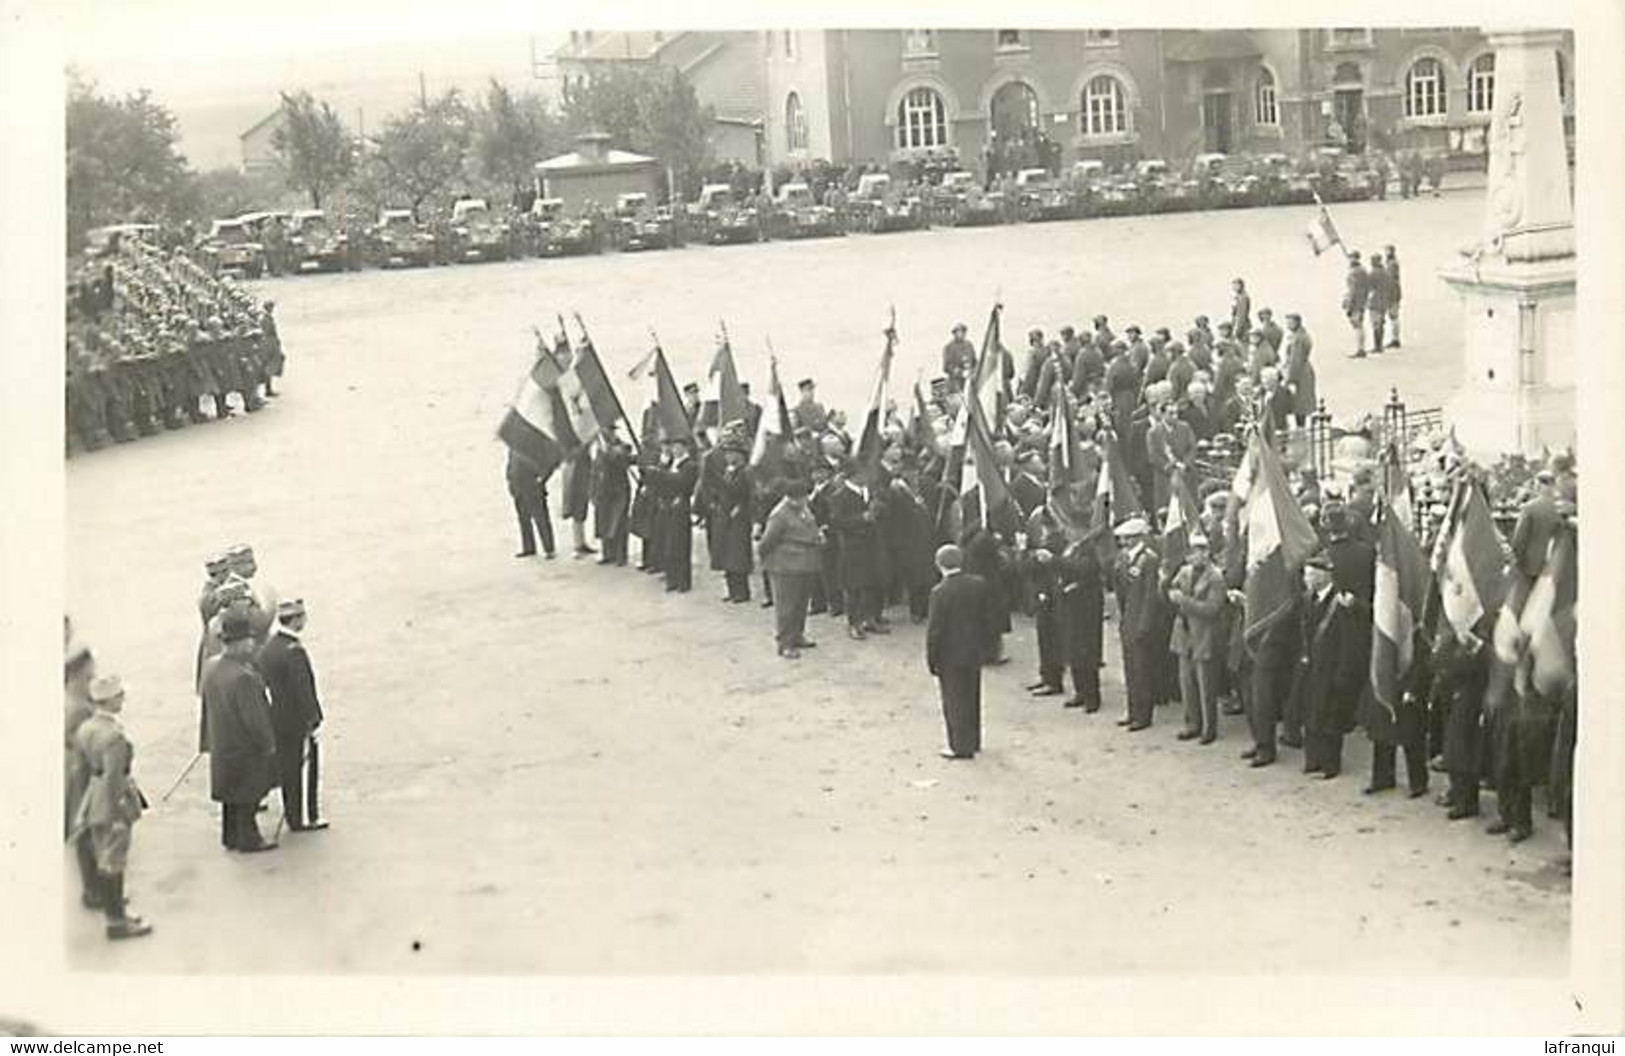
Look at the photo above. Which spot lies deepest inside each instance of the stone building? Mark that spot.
(1012, 96)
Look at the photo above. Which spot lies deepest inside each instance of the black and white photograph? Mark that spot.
(546, 497)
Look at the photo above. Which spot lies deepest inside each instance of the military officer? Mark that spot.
(112, 802)
(958, 357)
(1391, 266)
(1356, 292)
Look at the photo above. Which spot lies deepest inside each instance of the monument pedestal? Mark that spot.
(1517, 286)
(1517, 389)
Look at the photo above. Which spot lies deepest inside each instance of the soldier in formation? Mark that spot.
(158, 343)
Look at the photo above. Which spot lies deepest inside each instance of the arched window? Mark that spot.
(1105, 111)
(922, 120)
(1481, 84)
(1265, 110)
(795, 123)
(1424, 89)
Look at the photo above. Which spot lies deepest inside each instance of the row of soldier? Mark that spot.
(834, 533)
(155, 342)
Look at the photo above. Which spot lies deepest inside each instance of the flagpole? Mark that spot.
(1328, 214)
(586, 339)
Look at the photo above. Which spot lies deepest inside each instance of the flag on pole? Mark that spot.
(1548, 619)
(774, 430)
(1471, 579)
(726, 401)
(1323, 232)
(1401, 589)
(1178, 521)
(1065, 470)
(670, 414)
(1396, 484)
(870, 441)
(593, 382)
(1116, 499)
(983, 491)
(1279, 541)
(989, 388)
(536, 426)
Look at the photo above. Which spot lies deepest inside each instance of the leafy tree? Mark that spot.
(230, 192)
(421, 153)
(313, 144)
(123, 162)
(651, 110)
(511, 134)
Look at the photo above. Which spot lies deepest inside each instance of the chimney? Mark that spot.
(593, 147)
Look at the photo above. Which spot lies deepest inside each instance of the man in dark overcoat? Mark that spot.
(955, 632)
(676, 529)
(1135, 582)
(296, 715)
(1335, 667)
(733, 519)
(528, 489)
(242, 742)
(855, 506)
(1460, 676)
(1082, 590)
(611, 498)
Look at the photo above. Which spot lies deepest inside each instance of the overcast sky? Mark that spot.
(220, 71)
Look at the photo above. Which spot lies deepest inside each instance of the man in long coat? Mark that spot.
(1197, 595)
(1082, 590)
(855, 506)
(1460, 677)
(1300, 373)
(242, 742)
(955, 634)
(1135, 582)
(1334, 669)
(732, 520)
(611, 499)
(296, 714)
(675, 491)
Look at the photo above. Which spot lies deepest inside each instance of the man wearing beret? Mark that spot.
(241, 739)
(112, 802)
(296, 715)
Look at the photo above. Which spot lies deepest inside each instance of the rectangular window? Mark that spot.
(1011, 38)
(789, 43)
(1099, 38)
(1349, 38)
(919, 42)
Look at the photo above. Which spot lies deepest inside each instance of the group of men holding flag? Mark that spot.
(1237, 592)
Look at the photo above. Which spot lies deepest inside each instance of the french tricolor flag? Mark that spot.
(537, 426)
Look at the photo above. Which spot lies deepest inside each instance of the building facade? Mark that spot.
(1009, 97)
(259, 152)
(724, 67)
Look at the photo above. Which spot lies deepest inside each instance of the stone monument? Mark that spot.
(1517, 284)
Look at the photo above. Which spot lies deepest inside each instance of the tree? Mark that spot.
(511, 134)
(650, 110)
(123, 162)
(231, 192)
(313, 144)
(421, 152)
